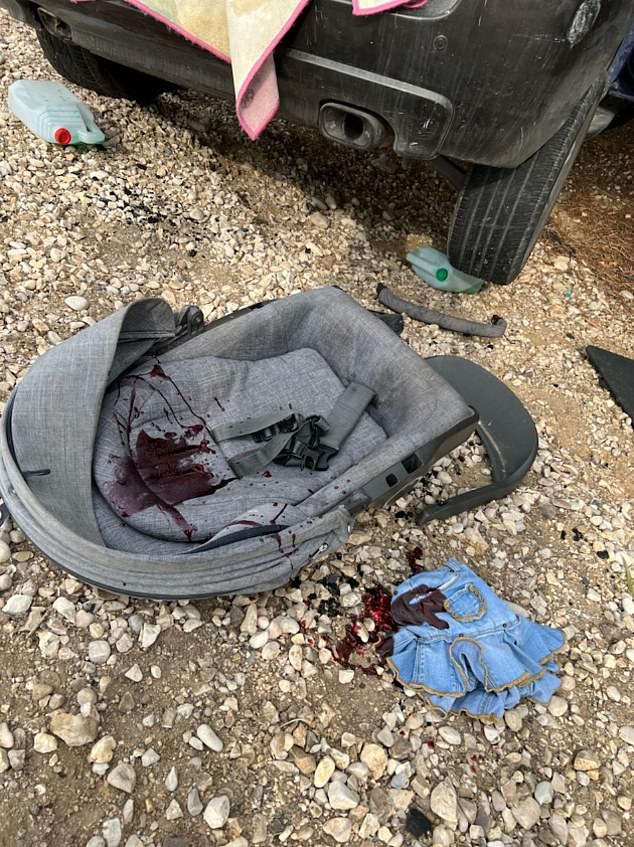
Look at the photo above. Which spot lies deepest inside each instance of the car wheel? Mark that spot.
(501, 212)
(84, 68)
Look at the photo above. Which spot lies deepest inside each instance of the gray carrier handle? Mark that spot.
(501, 421)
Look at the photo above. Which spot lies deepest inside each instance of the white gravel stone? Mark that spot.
(444, 802)
(76, 303)
(270, 650)
(450, 735)
(149, 758)
(194, 805)
(375, 757)
(217, 811)
(17, 605)
(323, 772)
(627, 734)
(125, 643)
(385, 737)
(171, 780)
(544, 793)
(559, 828)
(527, 813)
(102, 750)
(341, 797)
(74, 730)
(112, 832)
(5, 552)
(149, 634)
(134, 673)
(173, 811)
(99, 652)
(283, 625)
(7, 739)
(340, 829)
(65, 608)
(43, 742)
(123, 777)
(209, 738)
(258, 640)
(250, 621)
(558, 706)
(17, 759)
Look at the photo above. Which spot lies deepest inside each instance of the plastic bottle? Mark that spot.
(435, 268)
(51, 111)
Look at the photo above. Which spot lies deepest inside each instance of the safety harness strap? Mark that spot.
(238, 429)
(252, 461)
(346, 414)
(293, 439)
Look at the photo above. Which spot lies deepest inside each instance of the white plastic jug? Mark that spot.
(436, 269)
(53, 112)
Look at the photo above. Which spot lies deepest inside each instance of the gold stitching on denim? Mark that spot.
(421, 687)
(448, 606)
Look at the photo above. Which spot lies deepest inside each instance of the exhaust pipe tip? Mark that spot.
(352, 127)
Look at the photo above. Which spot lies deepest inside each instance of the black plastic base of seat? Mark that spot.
(505, 428)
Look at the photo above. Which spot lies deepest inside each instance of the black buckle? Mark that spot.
(290, 424)
(304, 448)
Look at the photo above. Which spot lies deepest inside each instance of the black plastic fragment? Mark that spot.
(416, 823)
(617, 372)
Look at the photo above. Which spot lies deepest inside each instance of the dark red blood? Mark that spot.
(158, 371)
(128, 495)
(414, 560)
(267, 474)
(376, 606)
(169, 469)
(172, 469)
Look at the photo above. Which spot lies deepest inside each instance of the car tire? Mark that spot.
(501, 212)
(88, 70)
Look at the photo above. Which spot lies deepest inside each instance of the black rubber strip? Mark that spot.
(495, 329)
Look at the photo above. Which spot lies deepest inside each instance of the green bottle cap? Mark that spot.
(442, 274)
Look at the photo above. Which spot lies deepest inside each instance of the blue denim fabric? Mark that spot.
(487, 659)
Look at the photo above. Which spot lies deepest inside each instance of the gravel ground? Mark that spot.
(228, 721)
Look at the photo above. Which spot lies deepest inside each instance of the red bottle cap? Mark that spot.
(62, 136)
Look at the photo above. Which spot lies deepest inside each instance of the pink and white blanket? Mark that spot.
(245, 33)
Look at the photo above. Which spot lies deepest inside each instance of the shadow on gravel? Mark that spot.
(374, 188)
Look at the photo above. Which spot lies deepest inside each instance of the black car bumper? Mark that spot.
(485, 81)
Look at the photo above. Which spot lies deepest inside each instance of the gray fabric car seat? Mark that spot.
(162, 466)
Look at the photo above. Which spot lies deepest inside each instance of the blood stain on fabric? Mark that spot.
(170, 468)
(165, 470)
(128, 495)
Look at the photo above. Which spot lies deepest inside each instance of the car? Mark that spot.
(499, 95)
